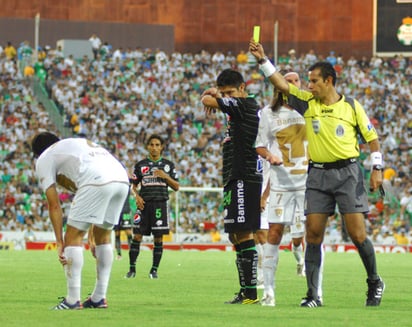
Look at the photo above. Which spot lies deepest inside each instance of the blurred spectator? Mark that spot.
(96, 44)
(406, 205)
(10, 51)
(215, 235)
(29, 235)
(401, 237)
(388, 239)
(331, 58)
(242, 58)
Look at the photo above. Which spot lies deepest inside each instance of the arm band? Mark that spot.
(268, 69)
(376, 158)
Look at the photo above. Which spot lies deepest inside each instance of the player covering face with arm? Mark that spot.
(242, 176)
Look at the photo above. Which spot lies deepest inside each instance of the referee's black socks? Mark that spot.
(313, 260)
(367, 254)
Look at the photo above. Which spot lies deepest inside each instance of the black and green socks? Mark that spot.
(157, 255)
(249, 263)
(133, 254)
(240, 268)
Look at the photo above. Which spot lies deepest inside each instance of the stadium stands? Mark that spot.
(124, 95)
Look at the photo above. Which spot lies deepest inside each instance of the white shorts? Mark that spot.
(264, 224)
(100, 205)
(287, 208)
(297, 230)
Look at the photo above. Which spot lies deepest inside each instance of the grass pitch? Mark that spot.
(191, 289)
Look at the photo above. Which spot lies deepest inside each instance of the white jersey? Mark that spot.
(264, 224)
(283, 132)
(74, 162)
(265, 173)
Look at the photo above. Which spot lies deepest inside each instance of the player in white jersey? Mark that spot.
(100, 184)
(261, 234)
(297, 230)
(281, 140)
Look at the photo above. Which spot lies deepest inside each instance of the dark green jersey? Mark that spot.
(240, 160)
(151, 187)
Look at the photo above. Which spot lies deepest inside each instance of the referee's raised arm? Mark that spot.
(269, 70)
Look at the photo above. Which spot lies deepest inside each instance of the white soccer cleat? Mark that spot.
(300, 270)
(268, 301)
(260, 285)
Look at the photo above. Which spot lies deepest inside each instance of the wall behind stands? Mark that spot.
(345, 26)
(118, 34)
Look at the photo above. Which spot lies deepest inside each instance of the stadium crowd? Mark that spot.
(121, 96)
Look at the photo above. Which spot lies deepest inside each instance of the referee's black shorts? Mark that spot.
(345, 187)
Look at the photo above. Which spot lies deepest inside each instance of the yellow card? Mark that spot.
(256, 33)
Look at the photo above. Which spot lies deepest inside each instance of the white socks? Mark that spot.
(73, 271)
(259, 249)
(298, 253)
(104, 262)
(270, 263)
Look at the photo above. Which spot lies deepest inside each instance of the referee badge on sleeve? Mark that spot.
(316, 125)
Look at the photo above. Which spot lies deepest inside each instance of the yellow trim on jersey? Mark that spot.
(331, 129)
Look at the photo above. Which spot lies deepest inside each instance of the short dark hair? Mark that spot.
(155, 137)
(326, 70)
(42, 141)
(230, 77)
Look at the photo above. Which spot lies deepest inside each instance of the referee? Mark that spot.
(334, 123)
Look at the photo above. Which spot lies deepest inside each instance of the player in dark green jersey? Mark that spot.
(242, 175)
(154, 175)
(124, 224)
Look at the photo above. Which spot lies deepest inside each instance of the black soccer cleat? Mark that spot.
(238, 299)
(130, 274)
(310, 302)
(89, 304)
(153, 274)
(375, 292)
(64, 305)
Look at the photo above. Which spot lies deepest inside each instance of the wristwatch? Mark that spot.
(262, 60)
(377, 167)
